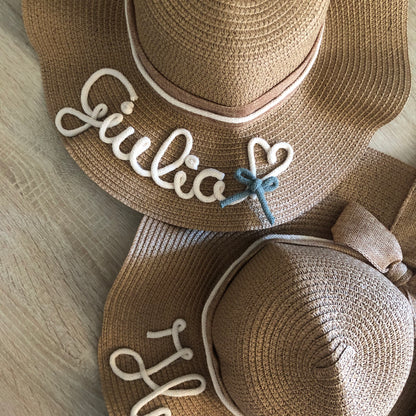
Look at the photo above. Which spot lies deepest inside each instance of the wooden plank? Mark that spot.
(398, 138)
(62, 243)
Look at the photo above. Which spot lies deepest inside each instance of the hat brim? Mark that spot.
(171, 271)
(360, 81)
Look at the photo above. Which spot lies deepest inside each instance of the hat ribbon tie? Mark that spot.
(144, 373)
(254, 186)
(358, 229)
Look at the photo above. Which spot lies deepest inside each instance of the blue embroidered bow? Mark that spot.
(254, 186)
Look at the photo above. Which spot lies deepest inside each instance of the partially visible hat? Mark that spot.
(317, 318)
(220, 115)
(300, 326)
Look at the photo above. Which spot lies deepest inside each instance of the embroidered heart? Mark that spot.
(271, 153)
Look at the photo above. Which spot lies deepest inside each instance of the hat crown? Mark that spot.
(307, 330)
(228, 52)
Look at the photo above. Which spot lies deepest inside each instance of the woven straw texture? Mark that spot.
(170, 272)
(216, 50)
(308, 330)
(359, 82)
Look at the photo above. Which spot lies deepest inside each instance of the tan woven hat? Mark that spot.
(183, 109)
(314, 317)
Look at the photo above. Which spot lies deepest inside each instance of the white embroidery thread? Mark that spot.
(98, 117)
(271, 153)
(92, 116)
(144, 374)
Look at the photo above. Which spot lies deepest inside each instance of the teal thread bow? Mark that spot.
(254, 186)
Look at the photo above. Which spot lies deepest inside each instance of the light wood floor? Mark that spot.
(63, 240)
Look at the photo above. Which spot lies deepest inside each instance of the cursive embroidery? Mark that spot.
(99, 118)
(92, 116)
(144, 374)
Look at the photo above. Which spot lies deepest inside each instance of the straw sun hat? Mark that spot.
(314, 317)
(181, 109)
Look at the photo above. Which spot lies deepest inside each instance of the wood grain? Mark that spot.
(63, 240)
(398, 138)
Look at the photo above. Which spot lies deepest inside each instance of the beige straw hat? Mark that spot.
(314, 317)
(220, 115)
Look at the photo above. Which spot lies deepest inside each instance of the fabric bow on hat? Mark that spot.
(360, 230)
(254, 186)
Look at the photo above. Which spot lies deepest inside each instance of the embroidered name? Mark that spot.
(144, 373)
(98, 117)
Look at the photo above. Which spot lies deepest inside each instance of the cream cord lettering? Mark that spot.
(99, 118)
(144, 374)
